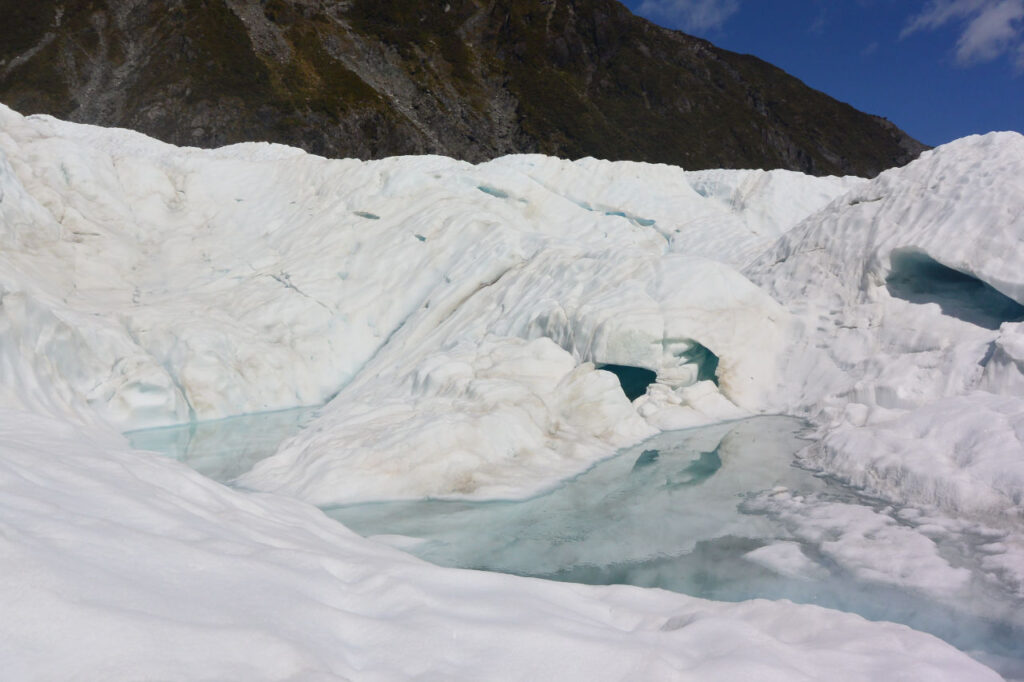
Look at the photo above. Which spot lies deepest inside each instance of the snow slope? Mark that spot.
(123, 565)
(454, 319)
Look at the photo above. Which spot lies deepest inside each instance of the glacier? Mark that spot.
(450, 321)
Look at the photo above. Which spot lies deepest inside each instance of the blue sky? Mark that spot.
(939, 69)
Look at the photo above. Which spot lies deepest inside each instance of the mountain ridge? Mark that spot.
(471, 79)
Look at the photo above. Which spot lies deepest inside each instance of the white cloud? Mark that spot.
(939, 12)
(690, 15)
(990, 28)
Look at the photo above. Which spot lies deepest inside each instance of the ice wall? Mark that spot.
(147, 285)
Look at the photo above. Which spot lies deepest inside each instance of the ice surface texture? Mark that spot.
(452, 316)
(906, 295)
(456, 332)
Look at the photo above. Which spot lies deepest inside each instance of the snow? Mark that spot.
(960, 453)
(863, 542)
(786, 558)
(914, 386)
(452, 319)
(119, 564)
(483, 424)
(119, 241)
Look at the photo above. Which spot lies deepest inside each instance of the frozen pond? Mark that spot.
(719, 512)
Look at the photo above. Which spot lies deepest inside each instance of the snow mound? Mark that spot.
(866, 544)
(906, 296)
(147, 285)
(483, 422)
(958, 205)
(964, 454)
(730, 216)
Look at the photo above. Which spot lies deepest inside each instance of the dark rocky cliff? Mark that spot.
(472, 79)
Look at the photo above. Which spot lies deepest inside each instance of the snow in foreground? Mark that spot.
(455, 319)
(121, 566)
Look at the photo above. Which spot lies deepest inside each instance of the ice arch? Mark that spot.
(917, 277)
(634, 380)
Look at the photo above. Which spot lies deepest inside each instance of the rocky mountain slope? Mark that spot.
(473, 79)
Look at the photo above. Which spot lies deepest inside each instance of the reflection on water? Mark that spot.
(224, 449)
(658, 500)
(672, 512)
(669, 513)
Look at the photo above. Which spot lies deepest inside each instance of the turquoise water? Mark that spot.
(668, 513)
(226, 448)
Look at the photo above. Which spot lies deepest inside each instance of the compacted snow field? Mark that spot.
(461, 329)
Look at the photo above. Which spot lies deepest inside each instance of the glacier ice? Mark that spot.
(452, 320)
(719, 512)
(899, 383)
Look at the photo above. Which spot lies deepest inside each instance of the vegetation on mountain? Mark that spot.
(473, 79)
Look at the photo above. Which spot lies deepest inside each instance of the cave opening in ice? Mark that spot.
(705, 360)
(634, 380)
(918, 278)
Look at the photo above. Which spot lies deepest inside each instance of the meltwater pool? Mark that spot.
(721, 512)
